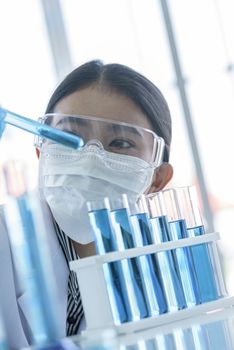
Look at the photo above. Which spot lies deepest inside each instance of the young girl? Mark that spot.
(122, 118)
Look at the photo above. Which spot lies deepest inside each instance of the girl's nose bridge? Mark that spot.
(96, 134)
(95, 142)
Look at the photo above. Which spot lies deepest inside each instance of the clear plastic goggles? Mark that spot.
(113, 136)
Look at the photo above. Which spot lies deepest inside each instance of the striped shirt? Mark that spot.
(75, 310)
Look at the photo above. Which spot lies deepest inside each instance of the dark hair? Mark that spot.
(125, 81)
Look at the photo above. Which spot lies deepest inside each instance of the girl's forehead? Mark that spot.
(105, 104)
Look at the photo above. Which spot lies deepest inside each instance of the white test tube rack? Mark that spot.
(94, 294)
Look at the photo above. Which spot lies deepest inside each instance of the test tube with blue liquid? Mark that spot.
(101, 339)
(32, 258)
(140, 269)
(190, 207)
(36, 128)
(220, 334)
(160, 233)
(105, 242)
(183, 339)
(182, 256)
(135, 299)
(166, 342)
(120, 272)
(202, 262)
(140, 220)
(200, 337)
(3, 340)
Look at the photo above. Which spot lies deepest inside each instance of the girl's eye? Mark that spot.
(118, 143)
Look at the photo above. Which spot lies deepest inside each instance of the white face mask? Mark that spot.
(70, 178)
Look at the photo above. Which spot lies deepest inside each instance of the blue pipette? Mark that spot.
(36, 128)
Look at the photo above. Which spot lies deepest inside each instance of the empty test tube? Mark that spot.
(204, 268)
(160, 233)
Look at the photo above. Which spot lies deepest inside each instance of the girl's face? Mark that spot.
(97, 102)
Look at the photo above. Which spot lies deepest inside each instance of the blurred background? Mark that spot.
(185, 47)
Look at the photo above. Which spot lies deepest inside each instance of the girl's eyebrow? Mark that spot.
(110, 126)
(119, 128)
(72, 120)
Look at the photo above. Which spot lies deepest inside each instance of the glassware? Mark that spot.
(139, 268)
(140, 220)
(105, 242)
(114, 136)
(160, 233)
(36, 128)
(202, 261)
(99, 340)
(3, 341)
(28, 238)
(182, 256)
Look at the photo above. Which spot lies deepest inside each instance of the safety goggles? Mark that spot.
(117, 137)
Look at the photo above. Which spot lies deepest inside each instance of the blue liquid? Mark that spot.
(219, 336)
(31, 267)
(150, 344)
(171, 282)
(3, 345)
(188, 340)
(203, 267)
(140, 267)
(3, 342)
(36, 128)
(200, 338)
(184, 264)
(130, 347)
(56, 346)
(166, 342)
(156, 279)
(104, 242)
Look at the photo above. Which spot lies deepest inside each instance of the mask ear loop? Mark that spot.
(159, 152)
(38, 140)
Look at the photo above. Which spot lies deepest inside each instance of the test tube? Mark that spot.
(204, 269)
(101, 339)
(160, 233)
(182, 256)
(3, 340)
(220, 334)
(150, 344)
(122, 270)
(183, 339)
(140, 270)
(200, 337)
(166, 342)
(36, 128)
(24, 220)
(105, 242)
(140, 220)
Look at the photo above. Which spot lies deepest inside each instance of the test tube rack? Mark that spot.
(221, 315)
(95, 297)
